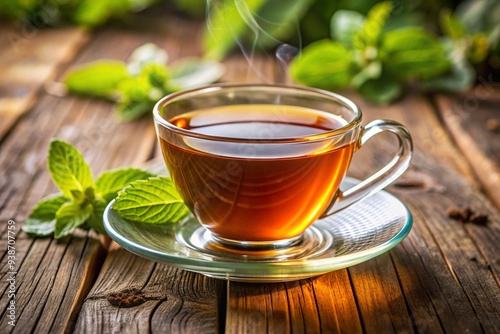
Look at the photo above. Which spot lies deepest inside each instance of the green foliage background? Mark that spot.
(467, 31)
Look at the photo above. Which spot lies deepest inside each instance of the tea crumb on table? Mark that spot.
(467, 215)
(127, 298)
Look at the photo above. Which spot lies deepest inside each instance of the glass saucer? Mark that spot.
(356, 234)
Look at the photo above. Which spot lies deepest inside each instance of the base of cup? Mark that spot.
(257, 245)
(309, 244)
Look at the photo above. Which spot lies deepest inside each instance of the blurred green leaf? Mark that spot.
(97, 79)
(191, 7)
(276, 20)
(190, 72)
(461, 76)
(134, 89)
(412, 53)
(479, 48)
(156, 76)
(459, 79)
(382, 90)
(369, 72)
(146, 54)
(16, 9)
(130, 109)
(451, 26)
(96, 12)
(226, 22)
(344, 25)
(324, 64)
(479, 15)
(255, 24)
(375, 21)
(138, 95)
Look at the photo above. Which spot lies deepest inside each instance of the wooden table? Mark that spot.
(444, 277)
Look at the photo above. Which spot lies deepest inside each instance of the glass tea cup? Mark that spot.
(258, 164)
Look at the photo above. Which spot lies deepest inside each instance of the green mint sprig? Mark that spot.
(145, 197)
(136, 85)
(362, 55)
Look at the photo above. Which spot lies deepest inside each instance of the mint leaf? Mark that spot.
(344, 25)
(156, 75)
(324, 64)
(97, 79)
(110, 182)
(68, 168)
(375, 21)
(410, 53)
(190, 72)
(95, 219)
(70, 216)
(42, 219)
(138, 95)
(78, 196)
(134, 98)
(154, 201)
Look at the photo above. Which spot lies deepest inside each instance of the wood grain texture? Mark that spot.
(28, 58)
(467, 117)
(176, 301)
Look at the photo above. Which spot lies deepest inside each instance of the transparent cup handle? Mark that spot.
(385, 176)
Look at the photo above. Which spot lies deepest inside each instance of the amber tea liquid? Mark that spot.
(257, 191)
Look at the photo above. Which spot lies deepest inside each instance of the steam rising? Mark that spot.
(250, 40)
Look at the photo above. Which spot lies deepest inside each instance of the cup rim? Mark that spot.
(220, 86)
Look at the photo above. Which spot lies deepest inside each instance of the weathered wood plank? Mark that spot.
(174, 301)
(322, 304)
(27, 60)
(379, 297)
(471, 121)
